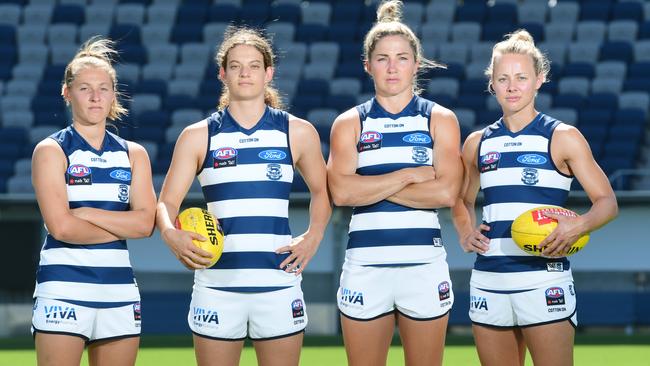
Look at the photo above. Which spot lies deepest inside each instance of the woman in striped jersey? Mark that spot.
(244, 157)
(523, 160)
(94, 191)
(382, 160)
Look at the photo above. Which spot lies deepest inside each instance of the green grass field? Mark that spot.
(588, 351)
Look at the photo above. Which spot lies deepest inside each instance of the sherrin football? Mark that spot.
(532, 226)
(202, 222)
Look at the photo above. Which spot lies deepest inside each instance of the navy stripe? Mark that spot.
(523, 193)
(102, 175)
(103, 205)
(97, 304)
(251, 156)
(395, 139)
(508, 264)
(256, 225)
(250, 260)
(243, 190)
(509, 160)
(96, 275)
(251, 289)
(52, 243)
(505, 292)
(498, 229)
(384, 206)
(386, 168)
(388, 237)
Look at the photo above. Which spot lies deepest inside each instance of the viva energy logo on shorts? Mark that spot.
(57, 314)
(203, 317)
(477, 303)
(351, 297)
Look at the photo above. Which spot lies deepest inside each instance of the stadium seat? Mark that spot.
(580, 69)
(453, 53)
(577, 85)
(10, 14)
(316, 13)
(532, 12)
(433, 33)
(566, 115)
(591, 31)
(21, 119)
(584, 52)
(595, 10)
(630, 100)
(617, 50)
(628, 10)
(564, 12)
(606, 85)
(288, 13)
(31, 34)
(130, 14)
(163, 14)
(345, 86)
(68, 14)
(568, 100)
(466, 32)
(622, 30)
(471, 12)
(37, 13)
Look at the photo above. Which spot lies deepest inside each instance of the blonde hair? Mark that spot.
(519, 42)
(239, 35)
(97, 53)
(389, 23)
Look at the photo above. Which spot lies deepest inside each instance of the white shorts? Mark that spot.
(233, 316)
(91, 324)
(548, 304)
(420, 292)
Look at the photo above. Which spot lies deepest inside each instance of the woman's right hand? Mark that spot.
(475, 241)
(180, 243)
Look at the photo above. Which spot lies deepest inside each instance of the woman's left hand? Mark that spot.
(301, 249)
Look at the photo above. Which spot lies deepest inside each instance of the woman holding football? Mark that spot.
(382, 160)
(244, 157)
(524, 160)
(94, 191)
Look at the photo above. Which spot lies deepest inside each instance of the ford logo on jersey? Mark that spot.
(121, 175)
(224, 153)
(417, 138)
(78, 170)
(531, 159)
(272, 155)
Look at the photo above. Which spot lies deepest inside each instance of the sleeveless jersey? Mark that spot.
(517, 173)
(97, 275)
(386, 233)
(246, 180)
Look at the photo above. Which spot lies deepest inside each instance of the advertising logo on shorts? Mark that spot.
(202, 317)
(490, 161)
(137, 313)
(369, 140)
(554, 296)
(477, 303)
(79, 174)
(351, 298)
(297, 308)
(57, 314)
(224, 157)
(444, 290)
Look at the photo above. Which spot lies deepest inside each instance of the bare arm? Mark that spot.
(305, 148)
(351, 189)
(443, 190)
(188, 155)
(138, 222)
(463, 214)
(570, 151)
(48, 169)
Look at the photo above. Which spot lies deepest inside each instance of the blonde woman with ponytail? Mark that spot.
(94, 191)
(395, 159)
(244, 157)
(524, 160)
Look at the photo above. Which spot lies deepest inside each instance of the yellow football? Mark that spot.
(532, 226)
(202, 222)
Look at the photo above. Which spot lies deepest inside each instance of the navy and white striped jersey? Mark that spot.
(386, 233)
(246, 180)
(97, 275)
(517, 173)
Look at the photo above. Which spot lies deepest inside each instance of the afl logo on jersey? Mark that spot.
(490, 161)
(272, 155)
(417, 138)
(224, 157)
(369, 140)
(120, 174)
(79, 174)
(531, 159)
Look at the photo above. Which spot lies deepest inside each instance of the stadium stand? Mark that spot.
(600, 52)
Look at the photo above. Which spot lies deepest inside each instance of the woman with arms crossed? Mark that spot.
(382, 160)
(244, 157)
(94, 191)
(524, 160)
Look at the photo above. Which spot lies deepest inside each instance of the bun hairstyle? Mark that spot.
(238, 35)
(519, 42)
(96, 53)
(389, 23)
